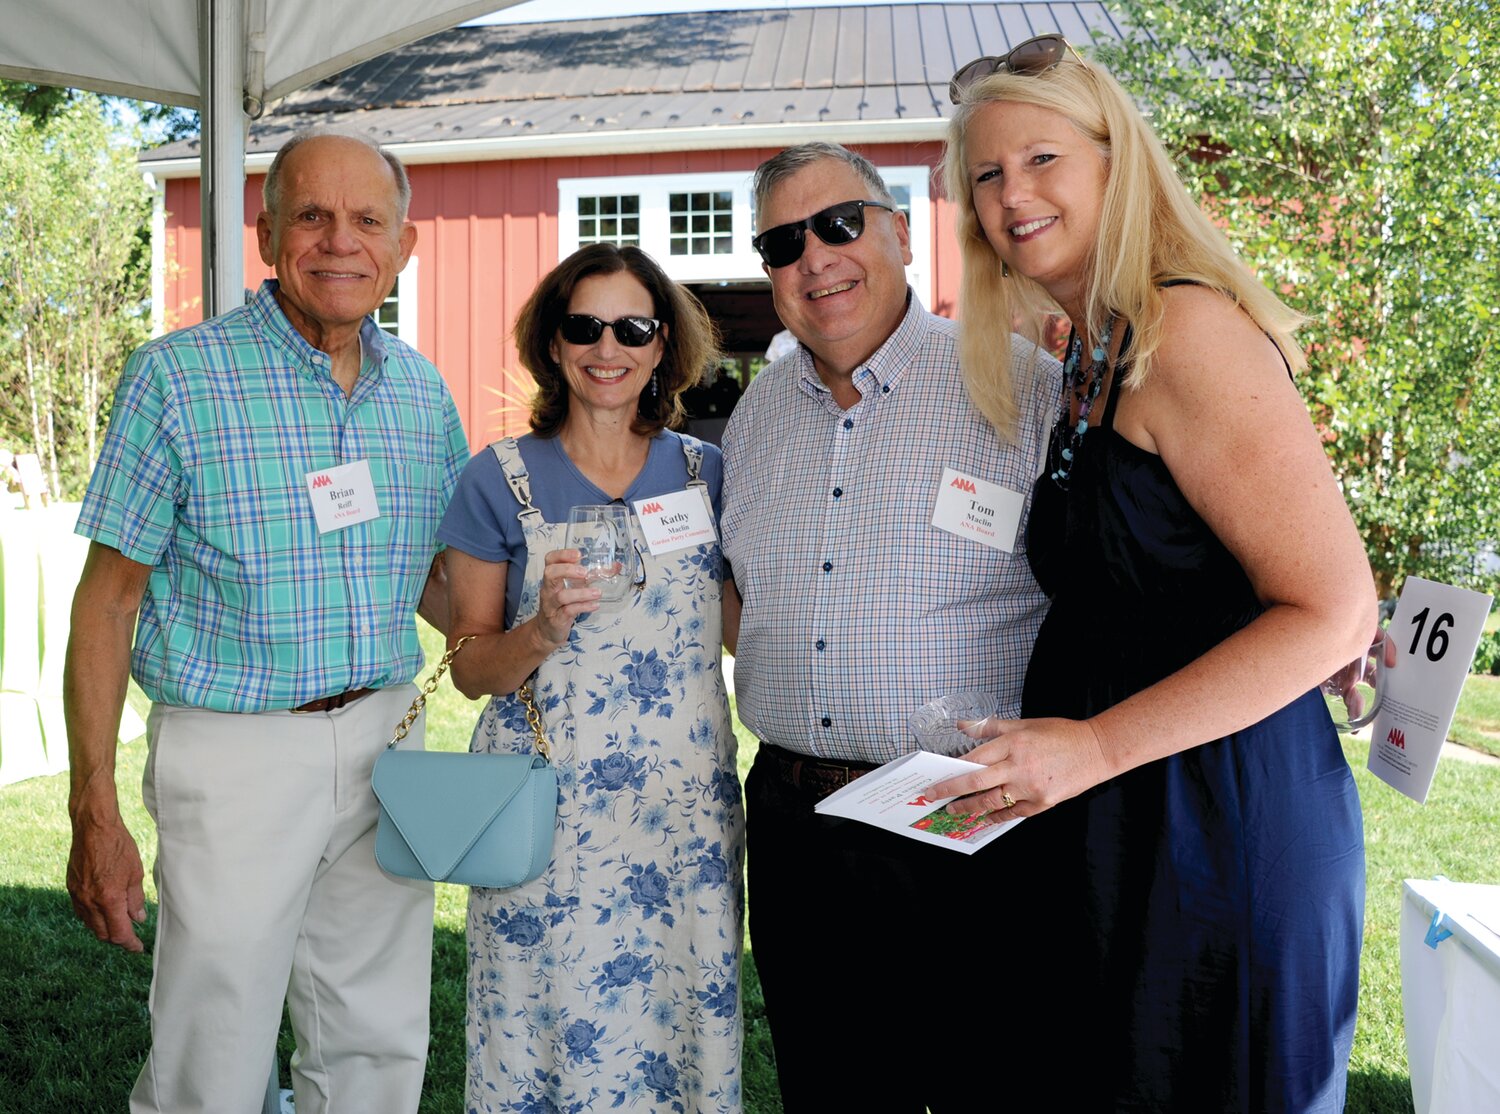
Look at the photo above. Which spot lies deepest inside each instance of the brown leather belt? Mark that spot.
(333, 703)
(813, 777)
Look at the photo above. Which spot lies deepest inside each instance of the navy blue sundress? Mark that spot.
(1214, 899)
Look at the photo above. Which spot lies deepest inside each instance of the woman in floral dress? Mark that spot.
(612, 981)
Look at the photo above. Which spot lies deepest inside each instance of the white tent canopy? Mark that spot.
(222, 57)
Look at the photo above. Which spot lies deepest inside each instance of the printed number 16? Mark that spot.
(1437, 640)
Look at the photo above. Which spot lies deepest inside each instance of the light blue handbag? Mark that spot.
(473, 819)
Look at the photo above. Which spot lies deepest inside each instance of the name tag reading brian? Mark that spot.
(675, 521)
(969, 507)
(342, 496)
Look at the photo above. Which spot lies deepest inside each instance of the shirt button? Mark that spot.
(820, 644)
(827, 722)
(885, 390)
(848, 423)
(827, 566)
(837, 492)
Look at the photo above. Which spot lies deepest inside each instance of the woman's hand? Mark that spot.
(560, 605)
(1030, 765)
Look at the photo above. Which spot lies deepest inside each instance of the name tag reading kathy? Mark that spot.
(342, 496)
(675, 521)
(969, 507)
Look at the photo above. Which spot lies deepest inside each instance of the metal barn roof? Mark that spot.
(663, 82)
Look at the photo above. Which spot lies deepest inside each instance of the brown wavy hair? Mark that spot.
(690, 343)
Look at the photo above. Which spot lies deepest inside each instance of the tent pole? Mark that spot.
(224, 128)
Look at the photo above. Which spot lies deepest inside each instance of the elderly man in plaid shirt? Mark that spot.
(263, 517)
(860, 598)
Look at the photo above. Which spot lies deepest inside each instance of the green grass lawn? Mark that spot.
(1477, 722)
(73, 1022)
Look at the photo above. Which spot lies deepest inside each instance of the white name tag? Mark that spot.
(969, 507)
(675, 521)
(342, 496)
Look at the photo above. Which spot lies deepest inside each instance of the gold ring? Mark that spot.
(1007, 801)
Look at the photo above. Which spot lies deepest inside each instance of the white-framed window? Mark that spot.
(698, 226)
(397, 315)
(610, 219)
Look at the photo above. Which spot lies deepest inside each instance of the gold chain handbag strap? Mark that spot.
(533, 713)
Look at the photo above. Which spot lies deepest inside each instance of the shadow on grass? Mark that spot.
(76, 1030)
(1373, 1091)
(72, 1010)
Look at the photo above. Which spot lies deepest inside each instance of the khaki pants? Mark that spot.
(269, 890)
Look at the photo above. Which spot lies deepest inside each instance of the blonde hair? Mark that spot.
(1150, 232)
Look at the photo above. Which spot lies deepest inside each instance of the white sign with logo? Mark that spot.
(675, 521)
(985, 512)
(1436, 629)
(342, 496)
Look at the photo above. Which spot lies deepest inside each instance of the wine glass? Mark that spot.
(1353, 694)
(601, 534)
(935, 726)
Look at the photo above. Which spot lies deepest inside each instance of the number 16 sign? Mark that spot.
(1436, 629)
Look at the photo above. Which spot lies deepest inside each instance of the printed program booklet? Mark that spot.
(891, 797)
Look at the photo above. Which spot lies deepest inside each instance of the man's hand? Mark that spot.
(104, 866)
(104, 881)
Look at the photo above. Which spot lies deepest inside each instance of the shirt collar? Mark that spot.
(266, 311)
(883, 370)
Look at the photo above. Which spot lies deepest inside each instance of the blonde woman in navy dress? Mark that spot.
(1205, 576)
(612, 981)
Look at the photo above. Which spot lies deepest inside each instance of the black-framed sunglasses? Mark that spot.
(838, 224)
(585, 328)
(1031, 57)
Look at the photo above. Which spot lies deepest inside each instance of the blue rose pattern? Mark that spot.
(613, 980)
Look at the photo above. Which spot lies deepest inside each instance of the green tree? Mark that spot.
(73, 279)
(1352, 149)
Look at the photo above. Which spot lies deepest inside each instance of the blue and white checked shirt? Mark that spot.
(201, 476)
(857, 610)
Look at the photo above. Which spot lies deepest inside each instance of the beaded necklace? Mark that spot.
(1074, 378)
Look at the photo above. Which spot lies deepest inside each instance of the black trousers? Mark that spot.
(898, 976)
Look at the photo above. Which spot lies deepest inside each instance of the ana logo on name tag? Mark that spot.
(675, 521)
(342, 496)
(968, 507)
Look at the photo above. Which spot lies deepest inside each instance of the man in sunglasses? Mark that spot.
(855, 471)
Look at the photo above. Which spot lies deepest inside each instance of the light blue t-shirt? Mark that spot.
(482, 518)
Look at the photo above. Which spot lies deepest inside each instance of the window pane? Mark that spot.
(598, 222)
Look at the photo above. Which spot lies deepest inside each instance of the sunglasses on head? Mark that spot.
(1031, 57)
(838, 224)
(584, 328)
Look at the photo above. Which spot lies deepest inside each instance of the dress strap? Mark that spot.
(692, 450)
(1121, 365)
(508, 453)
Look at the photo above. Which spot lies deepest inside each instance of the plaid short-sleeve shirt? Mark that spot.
(857, 610)
(202, 477)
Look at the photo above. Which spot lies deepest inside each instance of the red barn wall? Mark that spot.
(486, 232)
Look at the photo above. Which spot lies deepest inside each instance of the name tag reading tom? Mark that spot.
(342, 496)
(675, 521)
(985, 512)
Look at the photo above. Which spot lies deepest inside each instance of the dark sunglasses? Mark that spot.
(838, 224)
(1031, 57)
(584, 328)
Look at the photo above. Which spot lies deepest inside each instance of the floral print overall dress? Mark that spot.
(612, 981)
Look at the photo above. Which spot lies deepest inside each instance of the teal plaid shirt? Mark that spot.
(201, 477)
